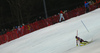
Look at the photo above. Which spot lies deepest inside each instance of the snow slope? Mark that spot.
(60, 38)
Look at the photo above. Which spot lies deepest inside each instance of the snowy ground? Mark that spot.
(60, 38)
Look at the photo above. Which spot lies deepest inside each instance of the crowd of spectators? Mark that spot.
(3, 31)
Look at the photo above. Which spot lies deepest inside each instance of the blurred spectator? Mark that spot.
(40, 18)
(61, 16)
(16, 27)
(35, 20)
(13, 28)
(19, 31)
(86, 6)
(77, 10)
(55, 15)
(23, 29)
(5, 30)
(2, 32)
(8, 30)
(90, 2)
(20, 25)
(64, 11)
(97, 1)
(43, 18)
(29, 28)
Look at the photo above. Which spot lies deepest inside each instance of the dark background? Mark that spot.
(16, 12)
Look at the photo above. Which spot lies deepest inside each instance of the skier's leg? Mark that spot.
(77, 42)
(63, 18)
(86, 41)
(60, 19)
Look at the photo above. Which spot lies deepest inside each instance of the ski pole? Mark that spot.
(77, 33)
(84, 26)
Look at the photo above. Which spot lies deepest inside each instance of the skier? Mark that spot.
(81, 41)
(61, 16)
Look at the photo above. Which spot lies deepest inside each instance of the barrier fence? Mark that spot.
(43, 23)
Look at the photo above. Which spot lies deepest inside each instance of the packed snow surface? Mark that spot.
(60, 37)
